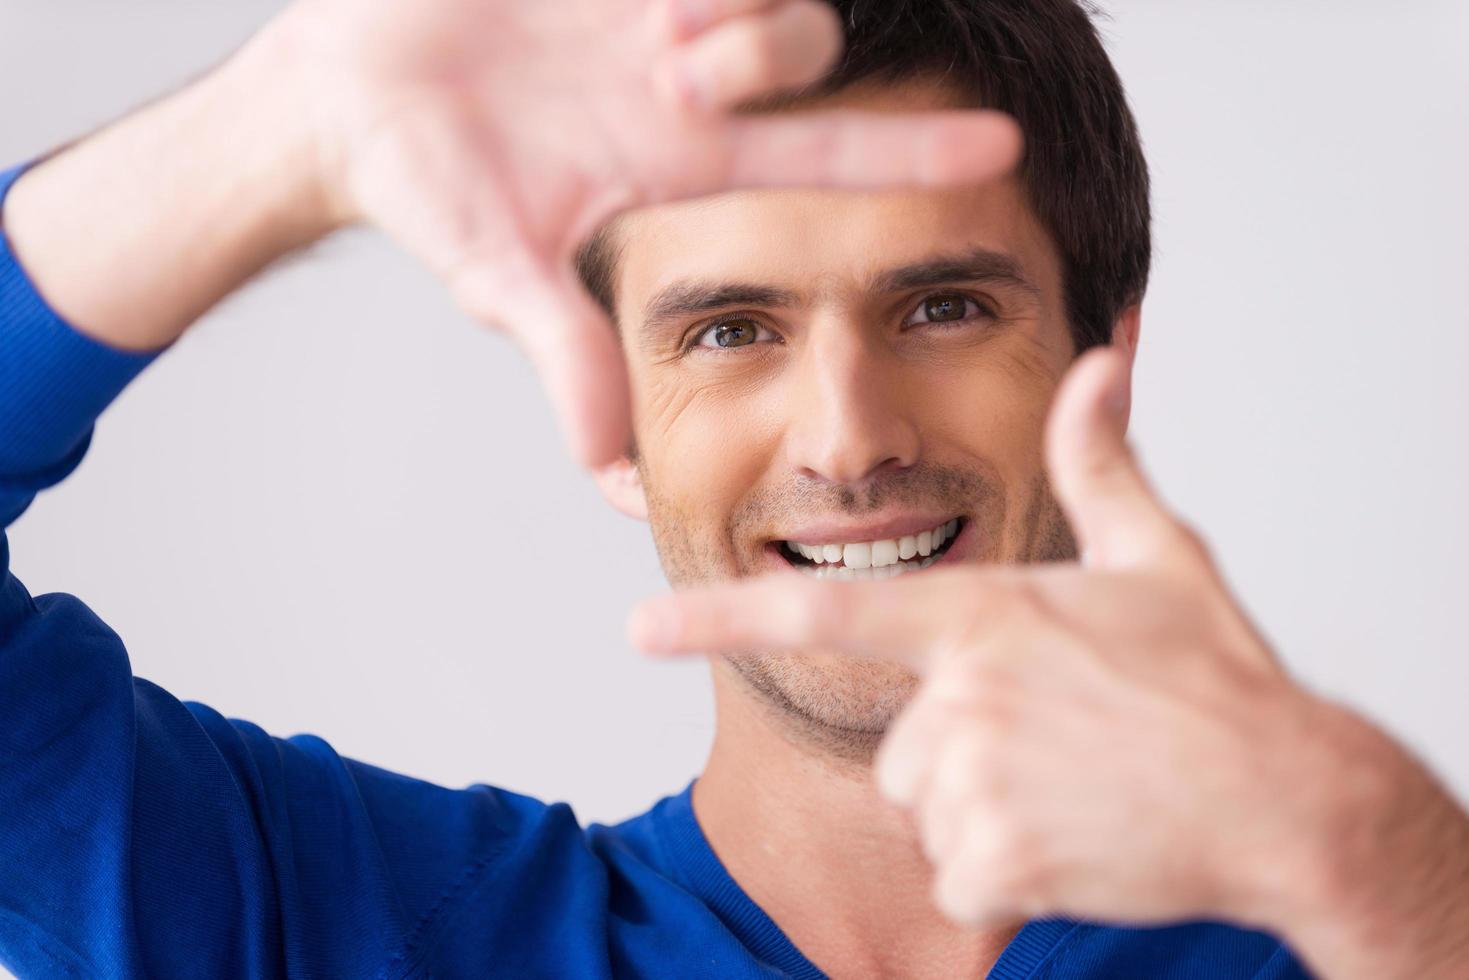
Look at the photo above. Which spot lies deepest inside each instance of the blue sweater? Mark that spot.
(142, 836)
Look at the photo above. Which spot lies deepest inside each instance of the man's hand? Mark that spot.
(492, 137)
(1117, 742)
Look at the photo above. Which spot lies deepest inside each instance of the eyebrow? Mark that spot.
(980, 265)
(696, 296)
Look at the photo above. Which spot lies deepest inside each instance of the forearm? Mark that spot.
(132, 234)
(1387, 895)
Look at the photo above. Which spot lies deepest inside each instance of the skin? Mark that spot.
(840, 409)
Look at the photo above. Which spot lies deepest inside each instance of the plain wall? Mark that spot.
(339, 507)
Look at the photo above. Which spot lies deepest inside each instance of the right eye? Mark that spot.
(729, 334)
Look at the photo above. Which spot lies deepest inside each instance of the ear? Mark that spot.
(1124, 338)
(622, 485)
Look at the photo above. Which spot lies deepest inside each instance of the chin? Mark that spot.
(836, 701)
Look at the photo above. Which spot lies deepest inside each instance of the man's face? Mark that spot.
(821, 374)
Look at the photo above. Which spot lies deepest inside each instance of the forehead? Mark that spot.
(809, 241)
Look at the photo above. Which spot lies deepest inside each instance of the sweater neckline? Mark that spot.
(701, 871)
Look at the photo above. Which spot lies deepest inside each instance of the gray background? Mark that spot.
(339, 507)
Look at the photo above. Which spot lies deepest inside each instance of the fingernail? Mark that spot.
(653, 626)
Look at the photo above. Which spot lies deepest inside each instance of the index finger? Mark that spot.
(898, 620)
(854, 149)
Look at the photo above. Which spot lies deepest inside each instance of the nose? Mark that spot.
(849, 419)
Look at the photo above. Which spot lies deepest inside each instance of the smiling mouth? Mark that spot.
(872, 559)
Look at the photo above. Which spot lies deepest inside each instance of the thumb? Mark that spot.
(572, 344)
(1117, 520)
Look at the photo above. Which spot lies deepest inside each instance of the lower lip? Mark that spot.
(958, 546)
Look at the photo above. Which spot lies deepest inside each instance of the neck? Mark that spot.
(836, 866)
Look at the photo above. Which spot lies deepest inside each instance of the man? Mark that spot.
(824, 385)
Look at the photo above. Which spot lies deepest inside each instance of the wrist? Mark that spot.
(276, 142)
(279, 78)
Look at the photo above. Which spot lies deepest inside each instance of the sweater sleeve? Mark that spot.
(54, 382)
(143, 836)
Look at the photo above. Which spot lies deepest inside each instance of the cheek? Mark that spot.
(704, 445)
(996, 409)
(994, 404)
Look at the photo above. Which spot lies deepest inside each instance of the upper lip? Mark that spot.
(848, 532)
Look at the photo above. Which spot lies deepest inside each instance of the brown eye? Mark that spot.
(938, 308)
(947, 308)
(731, 333)
(734, 334)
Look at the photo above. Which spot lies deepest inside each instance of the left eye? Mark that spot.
(728, 334)
(944, 308)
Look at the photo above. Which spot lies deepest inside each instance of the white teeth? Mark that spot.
(888, 556)
(842, 574)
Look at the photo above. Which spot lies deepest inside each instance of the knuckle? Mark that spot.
(816, 614)
(1020, 866)
(959, 765)
(705, 623)
(979, 775)
(1025, 602)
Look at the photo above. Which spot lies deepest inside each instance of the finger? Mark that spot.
(1118, 521)
(955, 767)
(904, 759)
(573, 347)
(687, 18)
(854, 149)
(899, 620)
(768, 51)
(964, 886)
(464, 237)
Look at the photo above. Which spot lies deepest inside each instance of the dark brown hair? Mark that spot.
(1043, 62)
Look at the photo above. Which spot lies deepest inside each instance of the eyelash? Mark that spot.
(984, 311)
(704, 331)
(695, 338)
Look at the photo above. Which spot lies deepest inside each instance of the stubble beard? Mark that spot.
(838, 709)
